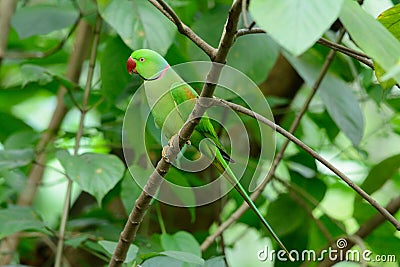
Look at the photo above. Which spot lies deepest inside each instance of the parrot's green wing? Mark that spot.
(185, 97)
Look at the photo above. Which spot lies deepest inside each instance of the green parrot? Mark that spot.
(166, 92)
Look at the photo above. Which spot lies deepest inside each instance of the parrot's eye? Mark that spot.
(141, 59)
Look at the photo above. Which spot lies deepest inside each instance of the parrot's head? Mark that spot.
(147, 63)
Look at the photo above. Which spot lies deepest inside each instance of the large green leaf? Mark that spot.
(257, 61)
(9, 124)
(114, 77)
(110, 246)
(96, 174)
(340, 102)
(380, 173)
(41, 19)
(181, 241)
(162, 261)
(391, 20)
(139, 24)
(15, 219)
(183, 256)
(295, 25)
(365, 31)
(14, 158)
(285, 215)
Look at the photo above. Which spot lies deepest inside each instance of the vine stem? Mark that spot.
(67, 201)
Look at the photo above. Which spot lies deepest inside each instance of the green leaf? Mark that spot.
(181, 241)
(9, 124)
(41, 19)
(215, 262)
(139, 24)
(380, 173)
(15, 219)
(313, 187)
(183, 256)
(96, 174)
(324, 121)
(391, 20)
(34, 73)
(365, 31)
(76, 241)
(110, 246)
(162, 261)
(295, 25)
(130, 191)
(21, 140)
(257, 61)
(285, 215)
(339, 100)
(14, 158)
(112, 63)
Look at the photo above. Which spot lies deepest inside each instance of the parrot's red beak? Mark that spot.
(131, 66)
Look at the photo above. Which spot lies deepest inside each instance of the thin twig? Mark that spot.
(183, 28)
(142, 203)
(311, 152)
(67, 201)
(244, 14)
(244, 207)
(359, 56)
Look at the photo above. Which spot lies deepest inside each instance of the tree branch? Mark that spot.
(67, 201)
(244, 207)
(7, 8)
(183, 29)
(359, 56)
(312, 153)
(142, 203)
(27, 195)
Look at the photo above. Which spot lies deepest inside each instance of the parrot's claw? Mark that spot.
(188, 143)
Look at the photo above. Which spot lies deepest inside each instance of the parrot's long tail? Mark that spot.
(224, 169)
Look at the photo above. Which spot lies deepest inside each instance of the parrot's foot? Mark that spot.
(188, 143)
(171, 150)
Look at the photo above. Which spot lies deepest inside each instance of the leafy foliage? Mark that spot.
(353, 121)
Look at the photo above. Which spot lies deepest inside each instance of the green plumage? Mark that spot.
(171, 101)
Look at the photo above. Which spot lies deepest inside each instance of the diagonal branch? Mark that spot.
(312, 153)
(156, 178)
(359, 56)
(183, 28)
